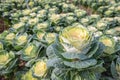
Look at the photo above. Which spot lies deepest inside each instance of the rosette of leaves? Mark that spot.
(7, 62)
(70, 19)
(98, 33)
(26, 12)
(75, 55)
(9, 38)
(96, 4)
(42, 15)
(110, 43)
(58, 29)
(3, 34)
(36, 9)
(41, 26)
(80, 13)
(94, 18)
(33, 15)
(102, 9)
(50, 38)
(111, 10)
(53, 10)
(21, 40)
(40, 35)
(90, 20)
(32, 22)
(67, 7)
(15, 15)
(47, 6)
(85, 21)
(28, 75)
(55, 19)
(38, 71)
(32, 50)
(113, 31)
(19, 27)
(101, 25)
(92, 28)
(111, 22)
(24, 19)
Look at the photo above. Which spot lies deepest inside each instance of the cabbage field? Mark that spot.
(60, 40)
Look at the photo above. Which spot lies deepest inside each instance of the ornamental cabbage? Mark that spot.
(10, 36)
(32, 15)
(76, 36)
(26, 12)
(39, 69)
(55, 18)
(42, 26)
(101, 25)
(5, 58)
(20, 41)
(18, 25)
(24, 19)
(50, 37)
(33, 21)
(28, 75)
(30, 51)
(109, 42)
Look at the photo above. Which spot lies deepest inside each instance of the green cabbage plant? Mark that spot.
(75, 55)
(80, 41)
(31, 51)
(21, 40)
(9, 38)
(7, 62)
(38, 71)
(110, 43)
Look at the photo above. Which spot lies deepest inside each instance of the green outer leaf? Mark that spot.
(10, 57)
(9, 67)
(74, 56)
(55, 62)
(81, 64)
(113, 70)
(98, 68)
(50, 52)
(93, 49)
(57, 52)
(117, 47)
(29, 63)
(34, 53)
(99, 51)
(18, 46)
(88, 75)
(59, 74)
(12, 64)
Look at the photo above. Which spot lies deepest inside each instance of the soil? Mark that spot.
(3, 26)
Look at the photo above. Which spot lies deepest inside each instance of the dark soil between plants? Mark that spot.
(3, 25)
